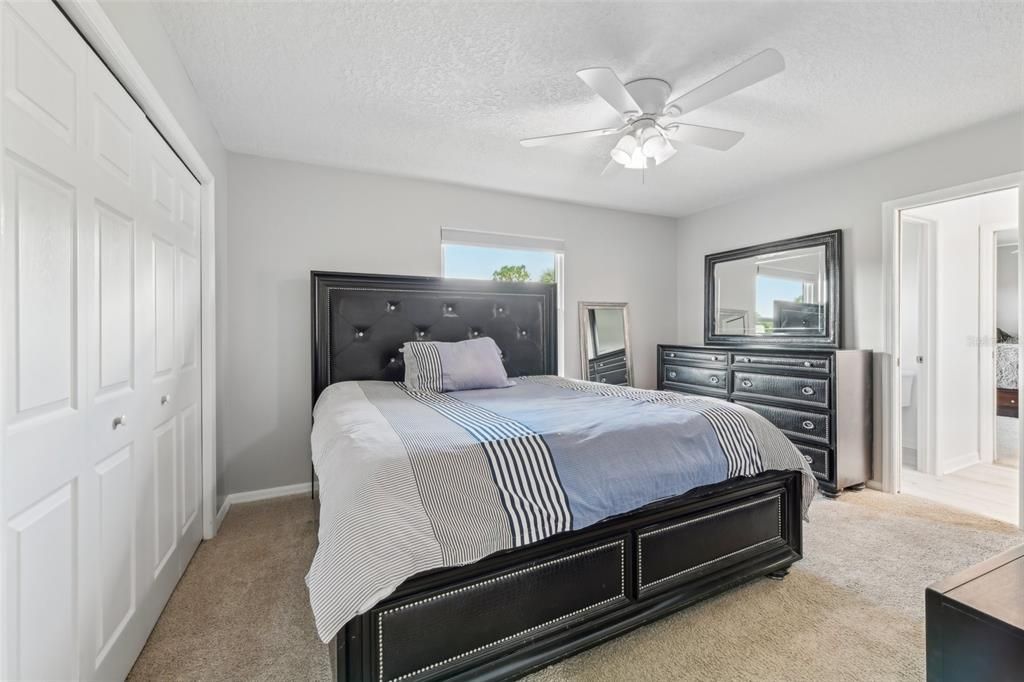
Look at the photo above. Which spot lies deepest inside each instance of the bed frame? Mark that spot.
(522, 609)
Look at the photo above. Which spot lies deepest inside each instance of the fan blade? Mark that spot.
(548, 139)
(610, 166)
(756, 69)
(713, 138)
(605, 83)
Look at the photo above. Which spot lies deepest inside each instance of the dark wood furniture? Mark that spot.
(821, 399)
(1007, 404)
(522, 609)
(609, 368)
(974, 622)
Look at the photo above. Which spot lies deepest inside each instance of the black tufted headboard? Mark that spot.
(360, 322)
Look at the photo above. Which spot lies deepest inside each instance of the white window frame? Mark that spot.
(518, 242)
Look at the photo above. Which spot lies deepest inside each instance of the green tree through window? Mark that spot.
(511, 273)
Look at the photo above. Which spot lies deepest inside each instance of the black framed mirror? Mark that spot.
(786, 292)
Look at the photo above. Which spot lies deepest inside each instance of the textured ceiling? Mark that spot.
(445, 90)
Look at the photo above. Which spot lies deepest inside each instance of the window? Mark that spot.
(505, 257)
(469, 254)
(488, 262)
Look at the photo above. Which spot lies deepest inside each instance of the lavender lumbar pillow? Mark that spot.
(460, 366)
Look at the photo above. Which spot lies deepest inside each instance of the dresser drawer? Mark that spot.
(791, 389)
(705, 378)
(806, 425)
(814, 364)
(616, 377)
(607, 365)
(704, 356)
(818, 460)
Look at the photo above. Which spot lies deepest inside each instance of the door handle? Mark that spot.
(164, 399)
(122, 420)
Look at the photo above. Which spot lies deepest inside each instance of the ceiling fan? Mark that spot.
(648, 114)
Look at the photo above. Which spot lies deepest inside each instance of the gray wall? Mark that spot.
(850, 198)
(288, 218)
(142, 31)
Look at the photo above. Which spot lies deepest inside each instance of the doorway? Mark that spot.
(957, 357)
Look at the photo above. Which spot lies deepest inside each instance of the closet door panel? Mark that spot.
(190, 466)
(165, 457)
(41, 63)
(42, 574)
(44, 226)
(116, 550)
(163, 306)
(116, 275)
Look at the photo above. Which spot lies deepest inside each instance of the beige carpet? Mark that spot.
(853, 609)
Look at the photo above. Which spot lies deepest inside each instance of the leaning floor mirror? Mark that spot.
(604, 343)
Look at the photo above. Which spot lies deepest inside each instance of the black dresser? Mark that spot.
(609, 368)
(821, 399)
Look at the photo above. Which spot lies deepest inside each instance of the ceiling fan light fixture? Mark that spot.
(665, 154)
(653, 143)
(623, 150)
(637, 161)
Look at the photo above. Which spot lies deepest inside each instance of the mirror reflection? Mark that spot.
(604, 343)
(781, 293)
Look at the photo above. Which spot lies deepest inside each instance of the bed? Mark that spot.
(484, 534)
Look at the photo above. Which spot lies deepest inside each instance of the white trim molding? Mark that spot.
(93, 23)
(891, 387)
(258, 495)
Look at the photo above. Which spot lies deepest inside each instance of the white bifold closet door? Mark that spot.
(100, 359)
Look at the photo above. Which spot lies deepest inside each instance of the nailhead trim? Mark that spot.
(622, 593)
(640, 540)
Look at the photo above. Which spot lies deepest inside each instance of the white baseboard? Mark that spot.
(257, 495)
(959, 462)
(268, 493)
(221, 513)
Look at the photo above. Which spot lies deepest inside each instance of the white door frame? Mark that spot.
(891, 384)
(926, 346)
(93, 23)
(988, 251)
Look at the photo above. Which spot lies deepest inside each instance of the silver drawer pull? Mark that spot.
(807, 363)
(671, 375)
(744, 359)
(600, 364)
(807, 390)
(604, 380)
(807, 458)
(714, 358)
(808, 424)
(713, 380)
(671, 355)
(120, 421)
(747, 383)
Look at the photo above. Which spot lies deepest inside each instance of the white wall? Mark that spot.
(140, 28)
(289, 218)
(1006, 289)
(850, 198)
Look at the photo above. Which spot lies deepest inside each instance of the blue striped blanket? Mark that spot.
(412, 481)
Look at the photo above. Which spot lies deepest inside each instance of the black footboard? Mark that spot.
(521, 610)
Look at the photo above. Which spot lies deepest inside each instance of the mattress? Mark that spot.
(412, 481)
(1007, 358)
